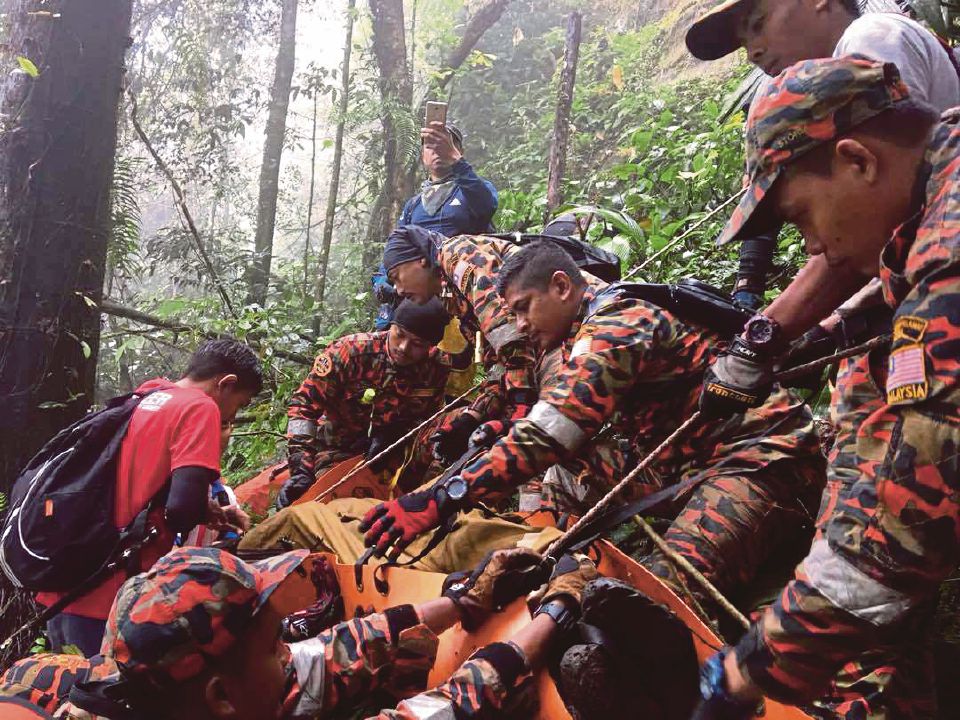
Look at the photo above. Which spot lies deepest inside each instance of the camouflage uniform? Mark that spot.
(893, 679)
(637, 367)
(45, 680)
(168, 624)
(469, 265)
(329, 417)
(393, 651)
(890, 531)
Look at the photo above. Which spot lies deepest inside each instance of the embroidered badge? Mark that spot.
(323, 365)
(907, 375)
(461, 273)
(581, 347)
(909, 328)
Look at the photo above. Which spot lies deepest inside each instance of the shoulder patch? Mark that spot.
(323, 365)
(909, 328)
(907, 375)
(461, 273)
(581, 347)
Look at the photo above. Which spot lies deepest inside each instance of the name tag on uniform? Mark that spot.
(427, 392)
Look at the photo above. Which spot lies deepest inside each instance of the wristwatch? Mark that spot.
(713, 686)
(453, 491)
(561, 614)
(764, 334)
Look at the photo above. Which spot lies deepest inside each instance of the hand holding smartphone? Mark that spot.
(436, 113)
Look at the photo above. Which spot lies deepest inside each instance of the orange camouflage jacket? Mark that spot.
(893, 534)
(638, 367)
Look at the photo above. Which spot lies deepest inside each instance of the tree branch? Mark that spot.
(181, 203)
(481, 21)
(109, 307)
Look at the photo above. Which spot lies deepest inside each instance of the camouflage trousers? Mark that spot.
(727, 527)
(892, 681)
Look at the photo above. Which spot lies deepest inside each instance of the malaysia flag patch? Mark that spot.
(907, 375)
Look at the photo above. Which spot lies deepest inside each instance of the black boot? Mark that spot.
(636, 658)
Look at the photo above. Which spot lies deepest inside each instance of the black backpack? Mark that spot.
(600, 263)
(692, 301)
(59, 529)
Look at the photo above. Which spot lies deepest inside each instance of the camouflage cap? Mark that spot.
(807, 105)
(191, 607)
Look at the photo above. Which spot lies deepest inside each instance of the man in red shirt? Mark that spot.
(173, 443)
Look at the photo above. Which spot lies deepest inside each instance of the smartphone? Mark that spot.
(436, 112)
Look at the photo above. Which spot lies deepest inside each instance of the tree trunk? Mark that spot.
(561, 125)
(57, 147)
(324, 257)
(390, 51)
(259, 276)
(313, 185)
(57, 152)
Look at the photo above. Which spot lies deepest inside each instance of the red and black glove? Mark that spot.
(395, 524)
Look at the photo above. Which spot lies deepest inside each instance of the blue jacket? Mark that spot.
(469, 210)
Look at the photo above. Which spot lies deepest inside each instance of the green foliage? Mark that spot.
(26, 64)
(652, 161)
(124, 246)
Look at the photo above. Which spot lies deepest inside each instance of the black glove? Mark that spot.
(715, 702)
(381, 439)
(500, 578)
(326, 612)
(740, 379)
(293, 488)
(817, 343)
(450, 442)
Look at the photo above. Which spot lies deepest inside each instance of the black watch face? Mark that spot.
(760, 331)
(457, 488)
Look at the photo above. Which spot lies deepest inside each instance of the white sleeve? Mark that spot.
(891, 38)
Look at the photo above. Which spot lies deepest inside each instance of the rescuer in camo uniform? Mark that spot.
(364, 392)
(633, 364)
(197, 637)
(422, 264)
(870, 178)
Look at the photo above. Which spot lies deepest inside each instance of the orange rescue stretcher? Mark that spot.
(258, 492)
(404, 585)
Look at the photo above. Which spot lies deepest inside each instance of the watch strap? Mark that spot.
(561, 614)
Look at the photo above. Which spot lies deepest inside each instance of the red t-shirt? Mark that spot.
(172, 428)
